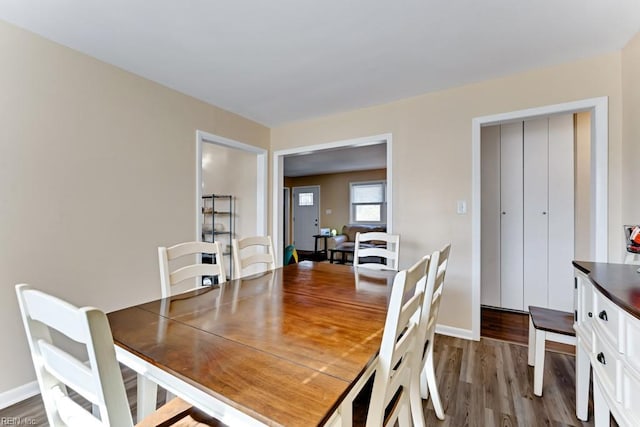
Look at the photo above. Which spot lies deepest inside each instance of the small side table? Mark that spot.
(322, 254)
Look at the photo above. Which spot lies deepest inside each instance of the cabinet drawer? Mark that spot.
(607, 318)
(631, 396)
(605, 364)
(632, 342)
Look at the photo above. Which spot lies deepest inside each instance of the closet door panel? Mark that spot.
(561, 212)
(490, 230)
(536, 187)
(511, 238)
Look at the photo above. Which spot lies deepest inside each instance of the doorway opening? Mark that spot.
(598, 227)
(323, 153)
(217, 171)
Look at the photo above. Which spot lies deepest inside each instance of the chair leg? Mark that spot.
(432, 386)
(417, 414)
(404, 414)
(538, 368)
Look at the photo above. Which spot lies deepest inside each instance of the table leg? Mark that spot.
(331, 257)
(147, 395)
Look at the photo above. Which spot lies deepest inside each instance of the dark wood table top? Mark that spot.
(618, 282)
(283, 347)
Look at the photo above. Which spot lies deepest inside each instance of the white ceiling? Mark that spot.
(336, 160)
(286, 60)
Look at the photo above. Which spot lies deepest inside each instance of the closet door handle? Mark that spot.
(601, 358)
(544, 213)
(603, 315)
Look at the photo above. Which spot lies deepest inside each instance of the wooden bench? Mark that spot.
(545, 325)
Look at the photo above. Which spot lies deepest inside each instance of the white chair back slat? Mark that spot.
(72, 414)
(169, 278)
(390, 253)
(198, 270)
(188, 248)
(252, 251)
(57, 314)
(69, 370)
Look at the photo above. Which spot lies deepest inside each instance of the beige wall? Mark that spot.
(582, 196)
(334, 193)
(219, 167)
(631, 133)
(432, 156)
(96, 171)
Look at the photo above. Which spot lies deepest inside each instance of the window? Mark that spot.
(305, 199)
(368, 202)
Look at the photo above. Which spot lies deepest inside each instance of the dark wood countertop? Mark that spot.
(618, 282)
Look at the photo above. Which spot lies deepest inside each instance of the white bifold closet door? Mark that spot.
(535, 190)
(512, 210)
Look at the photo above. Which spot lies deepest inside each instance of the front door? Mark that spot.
(306, 213)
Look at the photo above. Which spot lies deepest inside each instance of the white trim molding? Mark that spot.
(261, 174)
(18, 394)
(598, 107)
(278, 180)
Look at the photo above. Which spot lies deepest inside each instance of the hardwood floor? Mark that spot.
(513, 326)
(481, 383)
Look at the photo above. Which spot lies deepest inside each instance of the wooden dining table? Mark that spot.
(284, 347)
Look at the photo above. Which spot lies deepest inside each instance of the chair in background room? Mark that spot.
(429, 316)
(170, 278)
(99, 381)
(252, 251)
(379, 245)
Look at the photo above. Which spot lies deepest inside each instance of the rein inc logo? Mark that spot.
(17, 421)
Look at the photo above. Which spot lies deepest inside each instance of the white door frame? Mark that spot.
(261, 177)
(278, 179)
(286, 220)
(598, 107)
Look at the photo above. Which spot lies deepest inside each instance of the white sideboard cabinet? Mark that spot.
(607, 324)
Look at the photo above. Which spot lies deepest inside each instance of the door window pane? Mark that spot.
(305, 199)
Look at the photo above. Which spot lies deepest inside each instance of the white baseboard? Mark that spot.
(451, 331)
(18, 394)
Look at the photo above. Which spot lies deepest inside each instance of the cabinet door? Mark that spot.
(536, 226)
(561, 212)
(511, 231)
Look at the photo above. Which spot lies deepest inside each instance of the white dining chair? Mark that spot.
(251, 251)
(377, 244)
(429, 316)
(396, 367)
(397, 361)
(169, 279)
(97, 380)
